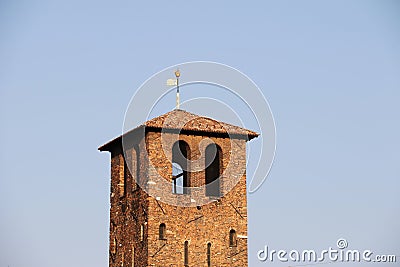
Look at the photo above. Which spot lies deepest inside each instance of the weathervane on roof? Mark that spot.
(175, 82)
(177, 75)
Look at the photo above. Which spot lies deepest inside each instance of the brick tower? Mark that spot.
(178, 193)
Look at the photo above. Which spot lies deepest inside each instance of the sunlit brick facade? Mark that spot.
(153, 231)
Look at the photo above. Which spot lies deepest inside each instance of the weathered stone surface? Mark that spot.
(135, 216)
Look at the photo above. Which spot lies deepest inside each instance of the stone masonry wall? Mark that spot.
(128, 211)
(135, 217)
(209, 223)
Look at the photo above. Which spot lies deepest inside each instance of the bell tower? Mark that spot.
(178, 193)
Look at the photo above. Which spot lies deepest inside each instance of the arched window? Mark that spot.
(161, 232)
(186, 254)
(209, 254)
(213, 163)
(180, 174)
(232, 238)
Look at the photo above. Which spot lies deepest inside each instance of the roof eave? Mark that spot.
(109, 145)
(117, 141)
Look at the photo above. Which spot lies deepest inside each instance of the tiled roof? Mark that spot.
(185, 121)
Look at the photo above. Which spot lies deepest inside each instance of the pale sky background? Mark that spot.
(329, 69)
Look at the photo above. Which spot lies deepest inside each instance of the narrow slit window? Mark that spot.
(133, 256)
(126, 175)
(232, 238)
(161, 232)
(135, 167)
(186, 254)
(208, 254)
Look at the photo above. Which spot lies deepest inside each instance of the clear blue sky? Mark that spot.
(329, 69)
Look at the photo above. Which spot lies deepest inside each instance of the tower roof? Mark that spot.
(183, 121)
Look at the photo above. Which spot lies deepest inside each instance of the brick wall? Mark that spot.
(135, 210)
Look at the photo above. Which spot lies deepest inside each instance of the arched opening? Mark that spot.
(180, 174)
(232, 238)
(177, 178)
(209, 254)
(162, 232)
(186, 254)
(213, 163)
